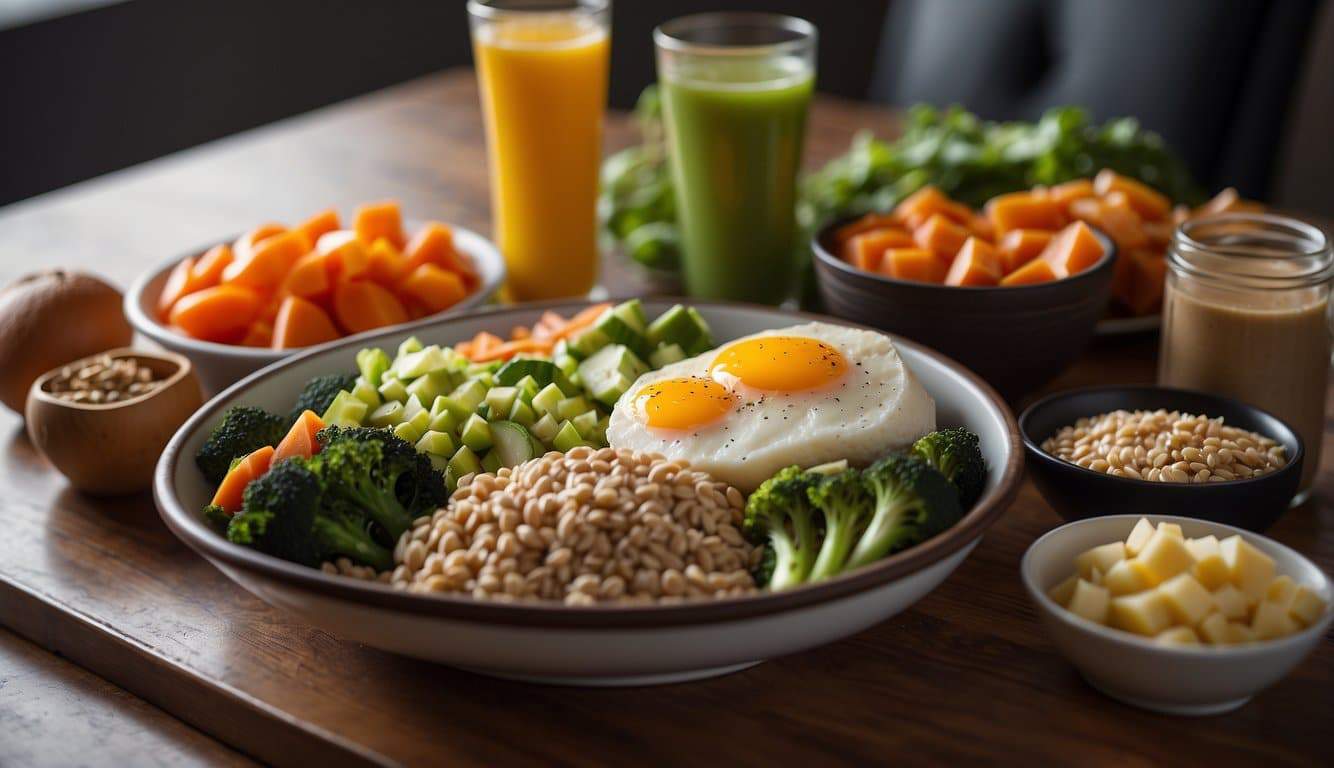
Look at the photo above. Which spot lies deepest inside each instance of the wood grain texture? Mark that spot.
(966, 674)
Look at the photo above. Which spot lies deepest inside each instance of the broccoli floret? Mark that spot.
(285, 515)
(913, 502)
(243, 429)
(780, 513)
(956, 455)
(319, 393)
(845, 505)
(217, 517)
(380, 474)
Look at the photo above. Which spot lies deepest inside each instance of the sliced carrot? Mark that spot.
(434, 288)
(547, 325)
(179, 283)
(301, 323)
(861, 225)
(231, 491)
(1020, 246)
(247, 242)
(508, 349)
(309, 277)
(386, 264)
(1065, 194)
(520, 332)
(940, 236)
(865, 251)
(1035, 271)
(1114, 216)
(1138, 282)
(221, 313)
(264, 268)
(976, 264)
(484, 342)
(916, 264)
(209, 268)
(346, 254)
(1146, 201)
(373, 221)
(300, 439)
(361, 305)
(259, 334)
(930, 201)
(1024, 210)
(1073, 250)
(581, 320)
(316, 226)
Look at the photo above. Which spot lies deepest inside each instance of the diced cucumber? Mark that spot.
(464, 462)
(546, 400)
(618, 331)
(569, 365)
(545, 428)
(410, 344)
(469, 394)
(683, 326)
(345, 411)
(501, 399)
(372, 362)
(366, 393)
(412, 407)
(421, 362)
(445, 421)
(458, 410)
(609, 390)
(409, 431)
(437, 443)
(666, 354)
(483, 374)
(491, 462)
(522, 413)
(567, 437)
(609, 373)
(476, 434)
(441, 464)
(392, 389)
(586, 423)
(387, 415)
(543, 372)
(429, 386)
(632, 314)
(484, 410)
(572, 406)
(587, 343)
(527, 387)
(562, 349)
(513, 444)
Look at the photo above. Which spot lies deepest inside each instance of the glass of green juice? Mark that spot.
(735, 90)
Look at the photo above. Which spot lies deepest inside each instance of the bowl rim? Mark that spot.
(1203, 650)
(480, 251)
(1033, 447)
(183, 369)
(829, 260)
(187, 527)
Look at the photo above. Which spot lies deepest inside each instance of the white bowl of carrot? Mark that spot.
(247, 302)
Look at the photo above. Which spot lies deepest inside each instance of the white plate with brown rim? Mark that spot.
(596, 645)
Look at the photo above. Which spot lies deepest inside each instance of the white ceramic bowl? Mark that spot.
(219, 365)
(598, 645)
(1178, 680)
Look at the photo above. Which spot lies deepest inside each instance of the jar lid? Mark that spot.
(1255, 250)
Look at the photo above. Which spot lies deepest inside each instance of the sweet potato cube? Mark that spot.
(301, 323)
(179, 283)
(1035, 271)
(376, 220)
(1138, 281)
(982, 228)
(208, 269)
(361, 305)
(321, 223)
(866, 250)
(247, 242)
(976, 264)
(1148, 202)
(259, 334)
(916, 264)
(941, 236)
(221, 313)
(1024, 210)
(858, 226)
(930, 201)
(1064, 194)
(1073, 250)
(387, 264)
(309, 277)
(1119, 221)
(1020, 246)
(433, 288)
(267, 262)
(434, 244)
(345, 254)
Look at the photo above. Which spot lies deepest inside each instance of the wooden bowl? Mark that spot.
(111, 448)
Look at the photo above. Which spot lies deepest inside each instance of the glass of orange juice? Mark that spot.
(542, 67)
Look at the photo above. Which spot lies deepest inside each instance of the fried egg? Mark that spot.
(805, 395)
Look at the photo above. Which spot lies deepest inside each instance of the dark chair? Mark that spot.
(1214, 77)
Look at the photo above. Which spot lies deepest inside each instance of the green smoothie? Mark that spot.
(735, 131)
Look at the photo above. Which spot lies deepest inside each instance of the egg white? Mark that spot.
(877, 407)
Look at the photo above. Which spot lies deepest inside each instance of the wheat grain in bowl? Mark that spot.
(1165, 446)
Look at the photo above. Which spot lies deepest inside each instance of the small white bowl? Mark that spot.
(1177, 680)
(220, 365)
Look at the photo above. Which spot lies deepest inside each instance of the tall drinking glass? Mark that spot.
(542, 67)
(735, 90)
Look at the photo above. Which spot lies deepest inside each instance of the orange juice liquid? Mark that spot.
(544, 92)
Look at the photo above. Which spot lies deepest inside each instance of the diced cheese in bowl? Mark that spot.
(1180, 591)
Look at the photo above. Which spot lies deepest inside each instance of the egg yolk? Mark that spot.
(683, 403)
(781, 363)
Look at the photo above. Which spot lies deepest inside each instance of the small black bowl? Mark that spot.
(1076, 493)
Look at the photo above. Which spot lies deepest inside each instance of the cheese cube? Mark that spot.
(1282, 590)
(1165, 556)
(1307, 607)
(1271, 621)
(1239, 633)
(1249, 568)
(1214, 629)
(1139, 536)
(1145, 613)
(1061, 593)
(1177, 636)
(1230, 602)
(1171, 529)
(1128, 577)
(1186, 599)
(1209, 568)
(1102, 558)
(1090, 601)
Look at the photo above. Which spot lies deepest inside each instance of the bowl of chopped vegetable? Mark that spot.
(496, 529)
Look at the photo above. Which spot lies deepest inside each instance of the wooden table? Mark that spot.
(966, 674)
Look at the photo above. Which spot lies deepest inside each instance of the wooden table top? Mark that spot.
(967, 673)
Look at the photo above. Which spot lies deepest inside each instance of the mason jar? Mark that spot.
(1246, 315)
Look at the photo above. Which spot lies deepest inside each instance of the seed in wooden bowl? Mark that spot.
(1166, 447)
(104, 380)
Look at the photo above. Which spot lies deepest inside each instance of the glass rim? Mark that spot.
(1304, 241)
(667, 35)
(487, 9)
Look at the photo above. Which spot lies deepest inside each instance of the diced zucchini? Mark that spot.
(567, 437)
(445, 421)
(484, 410)
(392, 389)
(412, 407)
(464, 462)
(441, 464)
(512, 443)
(618, 331)
(683, 326)
(572, 406)
(501, 399)
(609, 373)
(429, 386)
(546, 400)
(545, 428)
(458, 410)
(366, 393)
(410, 344)
(345, 411)
(666, 354)
(543, 372)
(476, 434)
(372, 362)
(527, 387)
(586, 423)
(409, 431)
(491, 462)
(437, 443)
(483, 374)
(421, 362)
(469, 394)
(589, 342)
(387, 415)
(632, 314)
(522, 413)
